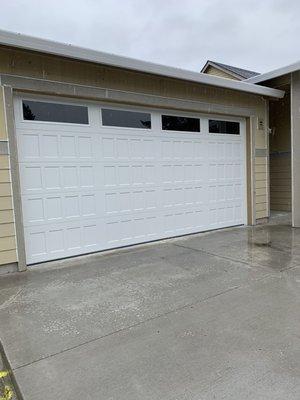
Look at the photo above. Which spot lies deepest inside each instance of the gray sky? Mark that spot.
(258, 34)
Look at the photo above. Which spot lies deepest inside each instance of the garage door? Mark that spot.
(96, 177)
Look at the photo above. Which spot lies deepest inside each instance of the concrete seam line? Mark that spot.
(228, 258)
(215, 255)
(134, 325)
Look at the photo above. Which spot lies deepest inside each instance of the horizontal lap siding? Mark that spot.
(281, 182)
(261, 174)
(7, 227)
(261, 184)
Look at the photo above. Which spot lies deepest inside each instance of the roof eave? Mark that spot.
(275, 73)
(79, 53)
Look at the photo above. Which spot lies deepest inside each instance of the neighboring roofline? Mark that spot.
(79, 53)
(212, 64)
(275, 73)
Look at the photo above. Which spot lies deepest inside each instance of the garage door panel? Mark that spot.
(40, 178)
(60, 207)
(50, 146)
(92, 187)
(178, 223)
(53, 241)
(122, 148)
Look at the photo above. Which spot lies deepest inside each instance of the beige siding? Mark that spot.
(8, 256)
(7, 228)
(6, 203)
(260, 214)
(280, 156)
(218, 72)
(281, 185)
(4, 162)
(30, 64)
(7, 243)
(261, 176)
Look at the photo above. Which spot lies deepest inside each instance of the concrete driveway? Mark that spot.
(208, 316)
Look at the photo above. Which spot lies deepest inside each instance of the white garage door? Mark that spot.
(95, 177)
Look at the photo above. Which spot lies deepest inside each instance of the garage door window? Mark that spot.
(126, 119)
(54, 112)
(225, 127)
(174, 123)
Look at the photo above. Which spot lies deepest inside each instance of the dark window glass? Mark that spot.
(54, 112)
(227, 127)
(186, 124)
(126, 119)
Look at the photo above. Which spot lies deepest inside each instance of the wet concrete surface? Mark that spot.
(208, 316)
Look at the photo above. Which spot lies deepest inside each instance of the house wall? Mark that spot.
(218, 72)
(7, 228)
(53, 68)
(295, 145)
(280, 155)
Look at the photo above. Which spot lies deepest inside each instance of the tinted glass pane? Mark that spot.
(126, 119)
(53, 112)
(173, 123)
(227, 127)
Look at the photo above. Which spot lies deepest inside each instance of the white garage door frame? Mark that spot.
(35, 227)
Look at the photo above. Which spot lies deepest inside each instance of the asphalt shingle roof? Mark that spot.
(243, 73)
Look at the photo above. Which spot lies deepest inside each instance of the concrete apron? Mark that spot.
(208, 316)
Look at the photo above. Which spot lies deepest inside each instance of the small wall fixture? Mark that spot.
(260, 124)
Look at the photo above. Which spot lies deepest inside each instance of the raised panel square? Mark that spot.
(50, 146)
(53, 208)
(85, 147)
(71, 205)
(68, 146)
(86, 175)
(32, 178)
(73, 238)
(34, 210)
(88, 205)
(30, 147)
(70, 177)
(52, 177)
(55, 240)
(109, 175)
(36, 242)
(90, 235)
(108, 148)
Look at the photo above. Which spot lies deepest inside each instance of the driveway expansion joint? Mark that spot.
(133, 326)
(223, 257)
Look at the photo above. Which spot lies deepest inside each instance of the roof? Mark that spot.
(21, 41)
(237, 72)
(275, 73)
